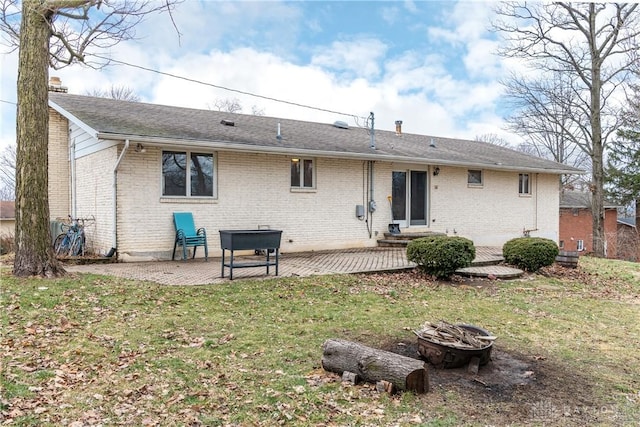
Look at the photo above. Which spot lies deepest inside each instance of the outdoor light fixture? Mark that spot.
(140, 148)
(436, 171)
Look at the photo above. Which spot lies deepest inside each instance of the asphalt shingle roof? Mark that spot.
(630, 221)
(149, 123)
(581, 200)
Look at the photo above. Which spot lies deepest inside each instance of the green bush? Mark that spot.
(441, 256)
(530, 253)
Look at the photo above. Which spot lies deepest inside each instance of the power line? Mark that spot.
(8, 102)
(356, 117)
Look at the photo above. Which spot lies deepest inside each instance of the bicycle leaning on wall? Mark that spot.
(72, 240)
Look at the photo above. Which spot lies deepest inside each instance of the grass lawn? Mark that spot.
(91, 350)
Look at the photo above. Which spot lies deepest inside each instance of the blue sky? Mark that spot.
(430, 64)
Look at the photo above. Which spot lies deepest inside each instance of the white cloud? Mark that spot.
(353, 76)
(360, 57)
(8, 81)
(410, 6)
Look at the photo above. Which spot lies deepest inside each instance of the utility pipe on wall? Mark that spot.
(115, 199)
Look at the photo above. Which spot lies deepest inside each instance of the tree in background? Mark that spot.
(623, 163)
(228, 105)
(53, 33)
(593, 46)
(8, 172)
(492, 138)
(234, 105)
(123, 93)
(543, 118)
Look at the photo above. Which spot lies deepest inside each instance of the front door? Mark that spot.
(409, 197)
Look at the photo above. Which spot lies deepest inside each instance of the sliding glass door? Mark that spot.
(409, 197)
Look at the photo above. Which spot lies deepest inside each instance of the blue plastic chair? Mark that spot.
(187, 235)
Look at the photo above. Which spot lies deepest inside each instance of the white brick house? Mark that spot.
(125, 163)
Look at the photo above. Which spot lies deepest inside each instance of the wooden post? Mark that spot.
(373, 365)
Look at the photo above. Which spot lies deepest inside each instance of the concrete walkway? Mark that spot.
(200, 272)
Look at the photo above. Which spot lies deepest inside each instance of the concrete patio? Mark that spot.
(200, 272)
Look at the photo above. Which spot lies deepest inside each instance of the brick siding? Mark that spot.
(577, 224)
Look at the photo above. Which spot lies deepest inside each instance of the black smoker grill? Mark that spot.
(255, 240)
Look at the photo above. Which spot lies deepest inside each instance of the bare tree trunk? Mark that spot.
(34, 253)
(597, 165)
(638, 215)
(594, 48)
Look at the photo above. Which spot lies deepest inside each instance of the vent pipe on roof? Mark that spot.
(279, 135)
(372, 145)
(432, 144)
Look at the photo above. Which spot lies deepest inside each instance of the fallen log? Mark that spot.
(373, 365)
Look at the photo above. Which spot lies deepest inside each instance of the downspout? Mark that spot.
(372, 202)
(115, 200)
(72, 161)
(535, 225)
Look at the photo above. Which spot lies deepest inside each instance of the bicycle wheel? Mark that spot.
(83, 243)
(61, 245)
(75, 248)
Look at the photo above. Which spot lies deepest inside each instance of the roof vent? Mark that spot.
(341, 125)
(227, 122)
(432, 144)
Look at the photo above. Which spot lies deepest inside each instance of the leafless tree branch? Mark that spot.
(123, 93)
(582, 56)
(79, 25)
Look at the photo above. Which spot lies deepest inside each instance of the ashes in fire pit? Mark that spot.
(445, 345)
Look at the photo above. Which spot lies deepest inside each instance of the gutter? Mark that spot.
(233, 146)
(114, 200)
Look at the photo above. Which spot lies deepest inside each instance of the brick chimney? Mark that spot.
(398, 127)
(55, 85)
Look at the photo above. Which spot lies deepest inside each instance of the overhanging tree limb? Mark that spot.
(595, 46)
(53, 33)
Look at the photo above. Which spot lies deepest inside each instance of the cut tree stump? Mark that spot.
(373, 365)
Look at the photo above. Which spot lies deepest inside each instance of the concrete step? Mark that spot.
(392, 243)
(493, 271)
(408, 236)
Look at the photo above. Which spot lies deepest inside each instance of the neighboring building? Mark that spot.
(628, 239)
(576, 224)
(131, 165)
(7, 225)
(7, 218)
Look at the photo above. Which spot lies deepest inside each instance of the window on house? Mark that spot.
(474, 177)
(524, 186)
(580, 245)
(302, 173)
(561, 245)
(187, 174)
